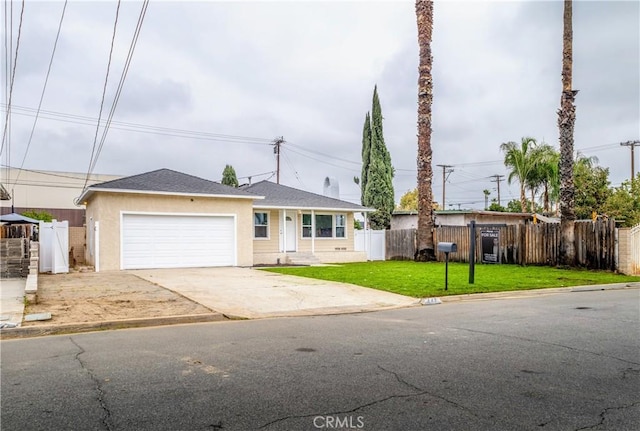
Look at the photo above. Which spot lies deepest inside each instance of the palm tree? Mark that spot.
(566, 122)
(486, 198)
(546, 171)
(424, 18)
(519, 159)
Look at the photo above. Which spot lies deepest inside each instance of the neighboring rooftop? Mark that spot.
(279, 196)
(168, 181)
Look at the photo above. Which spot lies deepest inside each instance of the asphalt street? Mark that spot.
(562, 361)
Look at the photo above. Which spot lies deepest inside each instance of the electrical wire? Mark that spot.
(123, 76)
(104, 91)
(288, 161)
(13, 77)
(141, 128)
(322, 161)
(44, 88)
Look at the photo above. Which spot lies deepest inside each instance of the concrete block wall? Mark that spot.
(14, 257)
(628, 250)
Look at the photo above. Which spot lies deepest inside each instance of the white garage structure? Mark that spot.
(177, 240)
(167, 219)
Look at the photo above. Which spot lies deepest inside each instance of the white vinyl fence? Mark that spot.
(54, 247)
(371, 241)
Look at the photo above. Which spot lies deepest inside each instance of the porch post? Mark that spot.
(313, 232)
(284, 232)
(96, 244)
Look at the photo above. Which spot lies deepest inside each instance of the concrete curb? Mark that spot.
(73, 328)
(536, 292)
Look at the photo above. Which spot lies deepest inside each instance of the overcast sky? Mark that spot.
(306, 71)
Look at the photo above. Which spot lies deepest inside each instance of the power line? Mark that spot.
(322, 161)
(631, 145)
(104, 92)
(295, 172)
(497, 179)
(123, 76)
(44, 88)
(445, 171)
(276, 150)
(133, 127)
(13, 77)
(324, 155)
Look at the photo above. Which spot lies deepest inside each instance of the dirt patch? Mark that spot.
(95, 297)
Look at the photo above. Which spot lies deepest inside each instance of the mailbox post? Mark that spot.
(446, 248)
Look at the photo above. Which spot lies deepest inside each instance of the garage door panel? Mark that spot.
(177, 241)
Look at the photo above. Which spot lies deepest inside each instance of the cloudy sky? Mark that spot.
(213, 83)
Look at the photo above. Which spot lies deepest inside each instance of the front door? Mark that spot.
(290, 226)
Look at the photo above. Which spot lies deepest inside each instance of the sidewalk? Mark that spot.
(12, 301)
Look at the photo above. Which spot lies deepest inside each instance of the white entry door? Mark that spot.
(177, 241)
(290, 226)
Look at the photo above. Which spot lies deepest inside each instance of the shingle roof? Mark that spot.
(169, 181)
(277, 195)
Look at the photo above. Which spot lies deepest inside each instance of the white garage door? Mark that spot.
(177, 241)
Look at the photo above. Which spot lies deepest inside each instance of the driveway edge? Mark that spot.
(72, 328)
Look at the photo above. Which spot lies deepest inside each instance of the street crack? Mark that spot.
(353, 410)
(401, 380)
(515, 337)
(604, 412)
(106, 418)
(419, 392)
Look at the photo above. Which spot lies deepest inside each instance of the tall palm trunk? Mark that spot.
(424, 16)
(566, 121)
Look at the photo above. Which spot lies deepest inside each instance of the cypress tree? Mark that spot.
(366, 156)
(229, 177)
(378, 190)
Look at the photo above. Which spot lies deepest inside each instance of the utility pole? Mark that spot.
(276, 150)
(497, 180)
(445, 171)
(632, 145)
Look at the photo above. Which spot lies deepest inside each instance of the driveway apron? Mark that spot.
(252, 293)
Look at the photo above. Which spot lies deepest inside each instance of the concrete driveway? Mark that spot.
(252, 293)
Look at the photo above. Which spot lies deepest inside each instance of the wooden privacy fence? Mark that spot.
(523, 244)
(400, 244)
(19, 231)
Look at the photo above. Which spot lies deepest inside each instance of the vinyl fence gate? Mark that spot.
(54, 247)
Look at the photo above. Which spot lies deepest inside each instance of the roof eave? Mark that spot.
(88, 192)
(307, 208)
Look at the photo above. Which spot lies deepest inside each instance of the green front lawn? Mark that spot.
(427, 279)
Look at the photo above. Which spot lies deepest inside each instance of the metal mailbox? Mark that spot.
(448, 247)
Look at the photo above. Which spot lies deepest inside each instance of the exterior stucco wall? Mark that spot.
(271, 246)
(106, 208)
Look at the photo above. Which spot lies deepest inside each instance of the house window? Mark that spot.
(340, 224)
(260, 225)
(306, 225)
(326, 225)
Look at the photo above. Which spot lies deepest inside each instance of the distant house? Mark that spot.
(168, 219)
(409, 219)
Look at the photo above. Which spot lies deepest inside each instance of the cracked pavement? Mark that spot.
(532, 363)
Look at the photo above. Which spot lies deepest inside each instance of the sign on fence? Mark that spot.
(490, 239)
